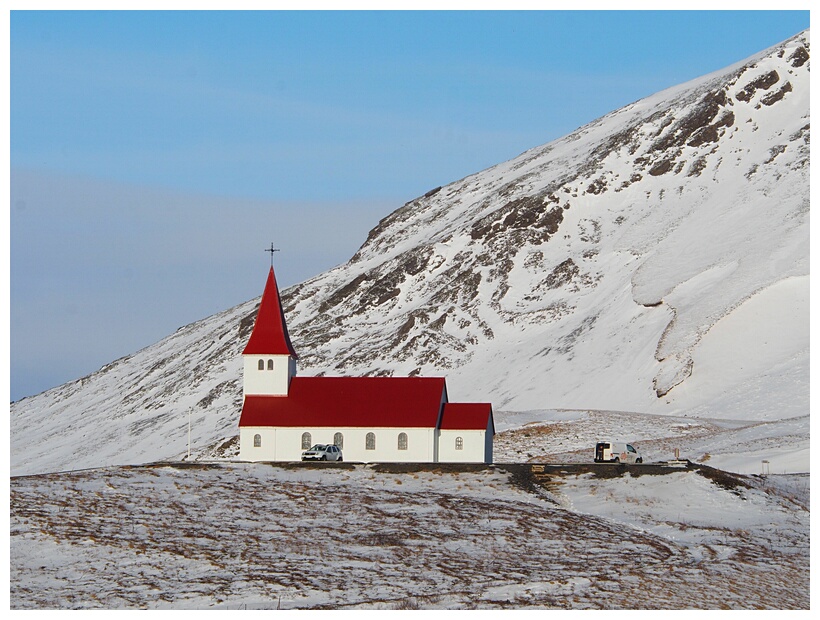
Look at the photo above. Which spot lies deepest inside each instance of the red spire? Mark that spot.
(270, 332)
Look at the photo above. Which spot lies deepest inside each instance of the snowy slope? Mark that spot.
(247, 536)
(654, 261)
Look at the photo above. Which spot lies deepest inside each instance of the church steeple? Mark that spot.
(269, 359)
(270, 331)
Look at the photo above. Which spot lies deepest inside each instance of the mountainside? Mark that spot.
(655, 260)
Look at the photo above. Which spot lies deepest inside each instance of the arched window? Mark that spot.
(459, 443)
(339, 440)
(257, 441)
(306, 441)
(402, 441)
(270, 364)
(370, 441)
(261, 365)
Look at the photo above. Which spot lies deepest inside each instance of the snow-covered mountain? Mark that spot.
(654, 261)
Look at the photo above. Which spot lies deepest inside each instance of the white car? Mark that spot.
(616, 452)
(321, 452)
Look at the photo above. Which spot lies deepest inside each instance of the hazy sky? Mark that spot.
(154, 155)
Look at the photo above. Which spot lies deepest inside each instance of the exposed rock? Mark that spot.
(529, 215)
(772, 98)
(562, 274)
(697, 120)
(799, 57)
(764, 82)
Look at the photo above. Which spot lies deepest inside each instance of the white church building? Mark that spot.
(371, 419)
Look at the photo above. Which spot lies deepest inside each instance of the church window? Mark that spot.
(306, 441)
(370, 441)
(459, 443)
(261, 365)
(402, 441)
(270, 364)
(257, 441)
(339, 440)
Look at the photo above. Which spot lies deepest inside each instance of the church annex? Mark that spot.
(372, 419)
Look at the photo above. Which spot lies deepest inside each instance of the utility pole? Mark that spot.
(189, 434)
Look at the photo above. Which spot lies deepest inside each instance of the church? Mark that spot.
(371, 419)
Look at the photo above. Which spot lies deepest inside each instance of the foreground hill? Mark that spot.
(253, 536)
(653, 261)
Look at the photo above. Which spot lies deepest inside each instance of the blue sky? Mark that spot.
(155, 155)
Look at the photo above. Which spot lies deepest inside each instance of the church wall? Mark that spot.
(488, 443)
(285, 444)
(474, 449)
(247, 450)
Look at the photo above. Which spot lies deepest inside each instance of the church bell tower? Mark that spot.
(269, 360)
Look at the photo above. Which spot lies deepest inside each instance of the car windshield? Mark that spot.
(317, 448)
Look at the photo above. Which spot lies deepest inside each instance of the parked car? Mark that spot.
(321, 452)
(616, 452)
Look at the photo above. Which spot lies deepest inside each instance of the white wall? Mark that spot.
(424, 445)
(267, 382)
(247, 451)
(285, 444)
(477, 446)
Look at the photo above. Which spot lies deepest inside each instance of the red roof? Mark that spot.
(467, 416)
(270, 332)
(410, 402)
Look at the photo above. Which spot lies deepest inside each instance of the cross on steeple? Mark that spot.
(271, 250)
